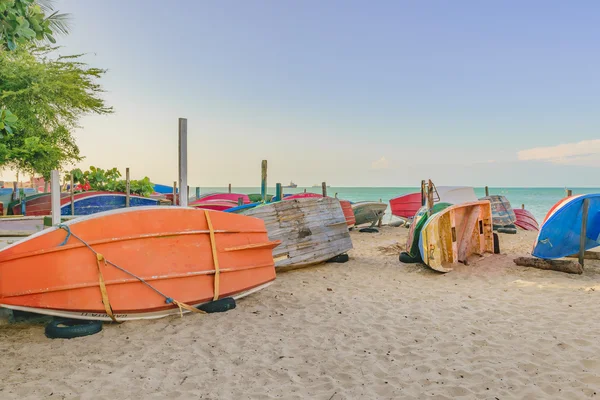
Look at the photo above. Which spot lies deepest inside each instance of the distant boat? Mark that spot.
(86, 203)
(502, 211)
(406, 206)
(169, 254)
(526, 220)
(560, 232)
(453, 234)
(311, 230)
(292, 185)
(368, 212)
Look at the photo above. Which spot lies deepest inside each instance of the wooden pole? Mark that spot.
(487, 191)
(430, 195)
(263, 180)
(55, 196)
(304, 190)
(279, 191)
(230, 188)
(174, 192)
(423, 198)
(72, 195)
(183, 186)
(197, 193)
(127, 188)
(582, 238)
(324, 188)
(569, 193)
(15, 194)
(522, 206)
(240, 201)
(380, 222)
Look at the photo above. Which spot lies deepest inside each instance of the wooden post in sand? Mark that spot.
(183, 187)
(487, 191)
(569, 193)
(55, 196)
(263, 181)
(324, 188)
(230, 188)
(174, 192)
(522, 206)
(423, 198)
(583, 233)
(127, 188)
(240, 201)
(197, 193)
(279, 191)
(304, 190)
(72, 195)
(381, 217)
(430, 195)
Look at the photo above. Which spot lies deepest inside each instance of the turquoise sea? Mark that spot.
(537, 200)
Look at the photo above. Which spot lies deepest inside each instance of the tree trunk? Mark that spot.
(570, 267)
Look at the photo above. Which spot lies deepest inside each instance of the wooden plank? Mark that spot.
(566, 266)
(72, 195)
(55, 196)
(324, 188)
(263, 180)
(127, 187)
(583, 233)
(183, 186)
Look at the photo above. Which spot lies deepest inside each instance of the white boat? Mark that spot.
(368, 212)
(455, 194)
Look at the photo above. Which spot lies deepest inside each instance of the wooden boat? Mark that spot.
(368, 212)
(173, 250)
(86, 203)
(414, 232)
(348, 213)
(455, 233)
(407, 206)
(526, 220)
(222, 196)
(560, 233)
(6, 195)
(502, 211)
(216, 204)
(311, 230)
(302, 196)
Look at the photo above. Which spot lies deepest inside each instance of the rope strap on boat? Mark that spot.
(213, 245)
(104, 292)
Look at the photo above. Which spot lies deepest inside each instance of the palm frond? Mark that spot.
(59, 23)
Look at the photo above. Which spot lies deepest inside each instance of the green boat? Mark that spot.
(412, 253)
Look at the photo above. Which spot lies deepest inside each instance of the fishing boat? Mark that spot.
(216, 204)
(168, 258)
(292, 185)
(6, 195)
(348, 213)
(86, 203)
(406, 206)
(455, 233)
(368, 212)
(502, 211)
(223, 196)
(560, 233)
(311, 230)
(302, 196)
(525, 220)
(163, 189)
(412, 253)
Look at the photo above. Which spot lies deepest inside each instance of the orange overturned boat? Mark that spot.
(136, 263)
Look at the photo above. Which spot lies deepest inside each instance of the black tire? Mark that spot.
(342, 258)
(406, 258)
(511, 231)
(63, 328)
(221, 305)
(369, 230)
(496, 244)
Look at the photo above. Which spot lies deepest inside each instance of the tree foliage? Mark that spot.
(100, 179)
(48, 94)
(23, 21)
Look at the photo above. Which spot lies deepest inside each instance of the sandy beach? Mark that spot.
(370, 328)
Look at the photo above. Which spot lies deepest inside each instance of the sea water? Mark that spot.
(537, 200)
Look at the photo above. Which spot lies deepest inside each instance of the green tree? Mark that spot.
(48, 94)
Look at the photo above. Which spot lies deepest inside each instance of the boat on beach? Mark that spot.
(525, 220)
(86, 203)
(412, 253)
(406, 206)
(368, 212)
(311, 230)
(455, 233)
(502, 211)
(166, 255)
(560, 233)
(348, 213)
(223, 196)
(215, 204)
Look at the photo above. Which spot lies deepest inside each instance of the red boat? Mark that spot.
(302, 196)
(526, 220)
(406, 206)
(348, 213)
(217, 205)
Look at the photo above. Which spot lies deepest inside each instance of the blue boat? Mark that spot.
(560, 232)
(163, 189)
(241, 208)
(94, 202)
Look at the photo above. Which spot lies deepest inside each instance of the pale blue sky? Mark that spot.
(357, 93)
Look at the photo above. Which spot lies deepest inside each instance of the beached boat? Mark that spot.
(560, 233)
(222, 196)
(406, 206)
(526, 220)
(6, 195)
(412, 254)
(86, 203)
(368, 212)
(163, 189)
(311, 230)
(302, 196)
(455, 233)
(179, 254)
(348, 213)
(502, 211)
(216, 204)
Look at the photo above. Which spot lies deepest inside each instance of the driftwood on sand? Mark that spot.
(570, 267)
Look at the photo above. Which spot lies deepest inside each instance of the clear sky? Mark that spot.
(356, 93)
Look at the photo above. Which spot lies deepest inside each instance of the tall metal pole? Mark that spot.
(183, 186)
(55, 196)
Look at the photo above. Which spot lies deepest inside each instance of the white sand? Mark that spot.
(384, 330)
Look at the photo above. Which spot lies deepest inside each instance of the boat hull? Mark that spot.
(560, 233)
(234, 197)
(368, 212)
(455, 233)
(311, 230)
(526, 220)
(168, 247)
(217, 205)
(348, 213)
(406, 206)
(502, 212)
